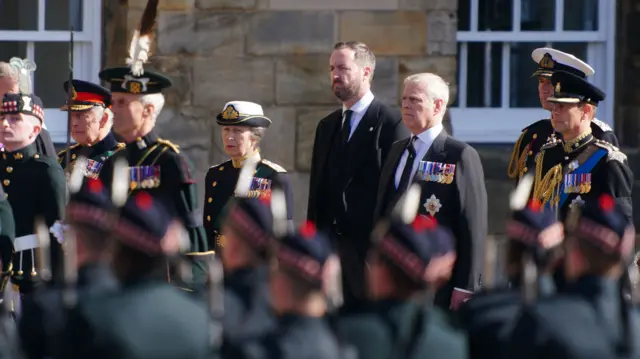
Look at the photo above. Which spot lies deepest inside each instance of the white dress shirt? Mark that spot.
(359, 109)
(422, 145)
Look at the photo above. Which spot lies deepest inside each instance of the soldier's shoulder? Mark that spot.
(219, 167)
(613, 152)
(119, 147)
(47, 161)
(70, 148)
(600, 125)
(172, 146)
(551, 143)
(274, 166)
(543, 125)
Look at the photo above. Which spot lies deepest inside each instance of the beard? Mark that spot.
(346, 93)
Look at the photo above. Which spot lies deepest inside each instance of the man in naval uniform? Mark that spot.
(535, 135)
(576, 166)
(156, 165)
(91, 121)
(243, 125)
(34, 184)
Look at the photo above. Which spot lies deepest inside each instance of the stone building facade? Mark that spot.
(276, 53)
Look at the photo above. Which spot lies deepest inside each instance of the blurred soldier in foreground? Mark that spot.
(534, 136)
(147, 317)
(90, 215)
(91, 121)
(298, 274)
(590, 318)
(34, 184)
(410, 259)
(7, 237)
(243, 125)
(9, 79)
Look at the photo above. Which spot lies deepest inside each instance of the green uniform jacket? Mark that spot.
(98, 152)
(158, 167)
(35, 187)
(220, 185)
(386, 326)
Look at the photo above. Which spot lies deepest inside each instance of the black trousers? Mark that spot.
(353, 254)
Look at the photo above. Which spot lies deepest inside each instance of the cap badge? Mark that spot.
(558, 88)
(546, 62)
(135, 85)
(230, 113)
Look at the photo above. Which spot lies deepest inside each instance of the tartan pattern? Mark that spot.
(12, 107)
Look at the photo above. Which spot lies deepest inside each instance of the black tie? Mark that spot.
(346, 126)
(406, 173)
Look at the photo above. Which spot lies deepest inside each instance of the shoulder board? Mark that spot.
(603, 126)
(613, 152)
(68, 149)
(119, 147)
(552, 142)
(169, 144)
(545, 122)
(220, 164)
(274, 166)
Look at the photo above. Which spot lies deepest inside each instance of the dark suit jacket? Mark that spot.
(464, 205)
(370, 144)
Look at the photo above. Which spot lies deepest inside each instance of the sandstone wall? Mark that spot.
(276, 53)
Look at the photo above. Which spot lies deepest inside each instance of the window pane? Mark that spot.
(495, 15)
(581, 15)
(523, 88)
(52, 60)
(464, 15)
(19, 15)
(484, 74)
(57, 14)
(12, 49)
(577, 49)
(537, 15)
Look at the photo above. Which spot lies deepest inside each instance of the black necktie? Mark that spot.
(346, 126)
(406, 173)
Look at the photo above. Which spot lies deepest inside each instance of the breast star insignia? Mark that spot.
(432, 205)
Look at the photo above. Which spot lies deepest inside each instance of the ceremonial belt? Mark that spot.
(586, 161)
(23, 243)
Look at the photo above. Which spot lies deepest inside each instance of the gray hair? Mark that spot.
(99, 111)
(155, 99)
(257, 133)
(362, 53)
(436, 87)
(7, 70)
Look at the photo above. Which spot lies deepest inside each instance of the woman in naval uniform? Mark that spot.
(243, 125)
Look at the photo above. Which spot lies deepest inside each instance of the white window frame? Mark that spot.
(504, 124)
(87, 55)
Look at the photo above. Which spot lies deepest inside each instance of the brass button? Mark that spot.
(530, 153)
(208, 218)
(215, 183)
(9, 169)
(221, 168)
(6, 182)
(535, 135)
(36, 156)
(525, 169)
(4, 156)
(210, 200)
(73, 156)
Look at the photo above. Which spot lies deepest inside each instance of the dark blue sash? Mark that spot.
(584, 168)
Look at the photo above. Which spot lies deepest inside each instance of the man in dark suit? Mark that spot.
(350, 147)
(451, 175)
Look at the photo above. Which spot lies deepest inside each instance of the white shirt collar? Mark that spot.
(362, 105)
(430, 135)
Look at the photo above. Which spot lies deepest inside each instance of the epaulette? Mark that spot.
(67, 149)
(119, 147)
(603, 126)
(613, 152)
(275, 166)
(551, 142)
(169, 144)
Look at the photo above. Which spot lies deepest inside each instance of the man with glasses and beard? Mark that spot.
(351, 145)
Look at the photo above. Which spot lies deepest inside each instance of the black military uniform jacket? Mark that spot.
(43, 320)
(96, 153)
(220, 185)
(158, 167)
(581, 322)
(534, 136)
(7, 236)
(146, 318)
(386, 327)
(453, 192)
(35, 187)
(568, 174)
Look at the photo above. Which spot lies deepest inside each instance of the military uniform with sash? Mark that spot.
(568, 173)
(35, 187)
(157, 165)
(534, 136)
(397, 326)
(147, 317)
(220, 180)
(86, 96)
(590, 318)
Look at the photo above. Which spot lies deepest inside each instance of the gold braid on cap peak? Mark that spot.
(140, 46)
